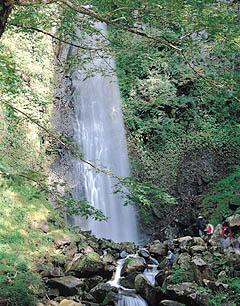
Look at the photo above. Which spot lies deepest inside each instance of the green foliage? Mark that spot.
(223, 198)
(217, 299)
(180, 275)
(83, 208)
(144, 195)
(17, 283)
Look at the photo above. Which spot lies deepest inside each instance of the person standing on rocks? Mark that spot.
(170, 259)
(226, 235)
(201, 226)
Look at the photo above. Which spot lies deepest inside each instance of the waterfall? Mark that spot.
(99, 130)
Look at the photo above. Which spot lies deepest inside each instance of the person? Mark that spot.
(201, 226)
(170, 259)
(226, 235)
(209, 229)
(226, 231)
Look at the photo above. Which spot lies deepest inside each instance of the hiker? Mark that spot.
(170, 259)
(201, 226)
(209, 229)
(226, 235)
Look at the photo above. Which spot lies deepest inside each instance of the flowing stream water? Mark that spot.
(99, 131)
(128, 297)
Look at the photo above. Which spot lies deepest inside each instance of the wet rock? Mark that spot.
(160, 277)
(133, 264)
(123, 254)
(67, 285)
(129, 247)
(70, 303)
(109, 259)
(144, 253)
(128, 280)
(150, 293)
(91, 282)
(101, 291)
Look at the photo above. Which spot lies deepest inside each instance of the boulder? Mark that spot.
(201, 270)
(123, 254)
(109, 259)
(198, 249)
(198, 241)
(70, 303)
(67, 285)
(102, 291)
(40, 225)
(88, 265)
(215, 286)
(160, 277)
(128, 280)
(184, 261)
(62, 241)
(144, 253)
(183, 243)
(187, 293)
(157, 249)
(52, 271)
(133, 264)
(147, 291)
(129, 247)
(234, 220)
(91, 282)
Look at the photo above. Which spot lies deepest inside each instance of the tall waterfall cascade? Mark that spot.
(99, 131)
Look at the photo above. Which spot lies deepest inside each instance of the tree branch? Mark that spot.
(57, 38)
(88, 12)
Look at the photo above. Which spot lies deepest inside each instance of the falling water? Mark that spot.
(131, 300)
(99, 130)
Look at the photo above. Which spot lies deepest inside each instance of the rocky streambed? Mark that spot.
(93, 271)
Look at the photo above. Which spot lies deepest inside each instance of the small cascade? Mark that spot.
(131, 300)
(128, 297)
(151, 271)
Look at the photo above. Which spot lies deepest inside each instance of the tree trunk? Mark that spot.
(5, 11)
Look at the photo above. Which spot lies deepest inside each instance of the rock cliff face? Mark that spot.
(196, 172)
(203, 273)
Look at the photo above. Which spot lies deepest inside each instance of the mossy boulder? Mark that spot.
(88, 265)
(133, 264)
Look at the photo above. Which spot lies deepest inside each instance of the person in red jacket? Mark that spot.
(226, 231)
(226, 235)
